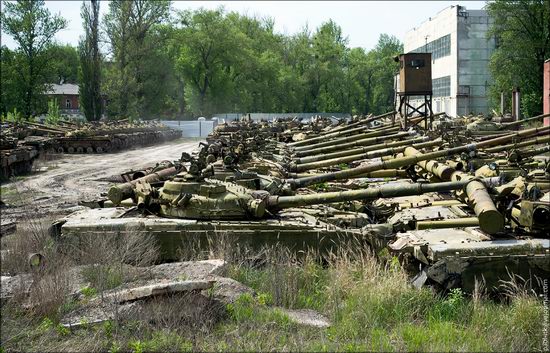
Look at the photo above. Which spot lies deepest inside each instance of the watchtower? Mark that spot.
(415, 80)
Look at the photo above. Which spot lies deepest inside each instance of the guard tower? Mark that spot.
(415, 80)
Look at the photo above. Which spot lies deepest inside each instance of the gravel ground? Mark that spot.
(71, 178)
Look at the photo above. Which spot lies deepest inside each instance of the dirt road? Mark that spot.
(80, 177)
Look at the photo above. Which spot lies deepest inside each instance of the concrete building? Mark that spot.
(457, 39)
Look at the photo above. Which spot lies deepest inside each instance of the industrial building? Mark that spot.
(461, 49)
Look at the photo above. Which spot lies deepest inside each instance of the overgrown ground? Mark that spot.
(370, 305)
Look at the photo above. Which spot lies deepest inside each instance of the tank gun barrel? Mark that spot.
(340, 131)
(365, 149)
(365, 140)
(519, 122)
(369, 134)
(532, 152)
(409, 160)
(361, 122)
(372, 193)
(355, 157)
(118, 193)
(530, 142)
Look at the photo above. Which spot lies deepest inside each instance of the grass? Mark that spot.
(370, 305)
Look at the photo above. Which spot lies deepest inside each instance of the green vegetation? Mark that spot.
(370, 305)
(90, 63)
(32, 26)
(522, 32)
(53, 113)
(200, 63)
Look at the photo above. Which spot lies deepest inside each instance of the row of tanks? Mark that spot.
(454, 208)
(22, 142)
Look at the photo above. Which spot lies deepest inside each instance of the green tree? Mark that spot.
(210, 45)
(90, 62)
(11, 86)
(384, 71)
(32, 26)
(522, 33)
(128, 25)
(327, 75)
(63, 63)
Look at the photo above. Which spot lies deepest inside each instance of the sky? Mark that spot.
(361, 21)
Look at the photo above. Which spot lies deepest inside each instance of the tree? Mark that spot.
(90, 62)
(63, 64)
(11, 87)
(210, 45)
(128, 25)
(327, 76)
(32, 26)
(522, 33)
(384, 71)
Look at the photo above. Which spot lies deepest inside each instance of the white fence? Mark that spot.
(271, 116)
(193, 128)
(202, 127)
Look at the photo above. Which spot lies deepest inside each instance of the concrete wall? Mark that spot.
(271, 116)
(474, 53)
(194, 128)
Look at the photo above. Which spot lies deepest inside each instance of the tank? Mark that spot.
(15, 158)
(442, 246)
(448, 224)
(189, 203)
(101, 137)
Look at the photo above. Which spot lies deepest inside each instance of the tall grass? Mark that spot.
(369, 302)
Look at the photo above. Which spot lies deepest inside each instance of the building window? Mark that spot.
(439, 48)
(68, 104)
(441, 87)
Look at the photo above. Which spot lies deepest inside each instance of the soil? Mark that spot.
(60, 184)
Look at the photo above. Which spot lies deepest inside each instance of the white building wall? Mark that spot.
(467, 64)
(444, 23)
(474, 53)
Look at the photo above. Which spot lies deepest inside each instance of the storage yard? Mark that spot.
(182, 176)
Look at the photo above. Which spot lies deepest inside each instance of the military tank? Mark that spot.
(15, 158)
(439, 214)
(192, 206)
(99, 137)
